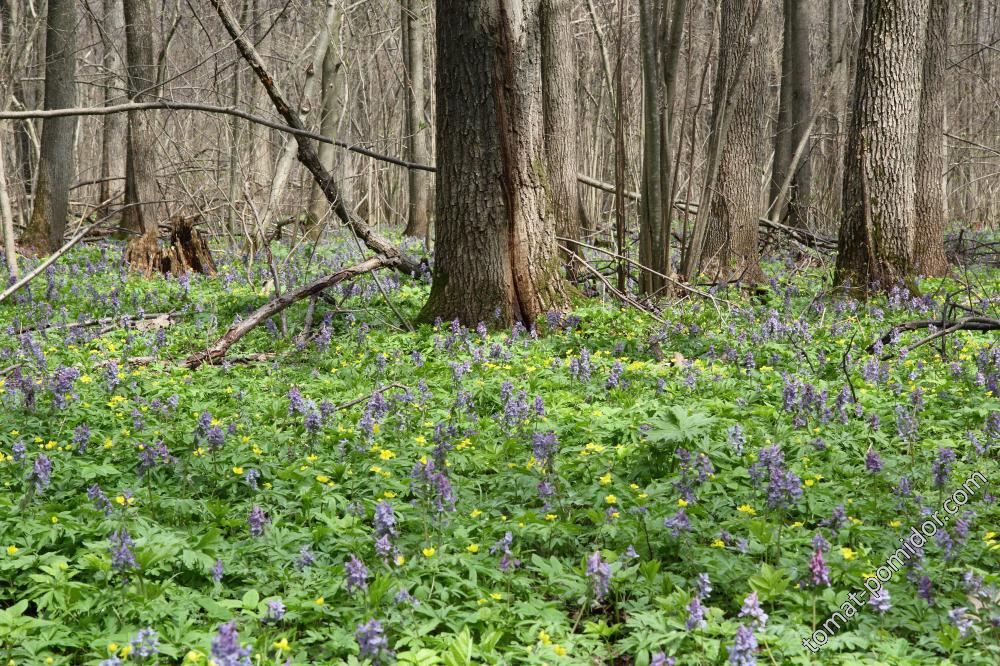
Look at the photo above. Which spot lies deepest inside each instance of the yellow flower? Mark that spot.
(388, 494)
(895, 523)
(611, 499)
(543, 636)
(605, 480)
(54, 519)
(746, 508)
(322, 478)
(847, 553)
(12, 549)
(551, 516)
(193, 656)
(112, 648)
(125, 651)
(559, 650)
(682, 502)
(473, 548)
(312, 457)
(237, 470)
(496, 596)
(50, 660)
(421, 439)
(809, 483)
(282, 645)
(475, 513)
(429, 552)
(386, 454)
(400, 560)
(718, 543)
(320, 601)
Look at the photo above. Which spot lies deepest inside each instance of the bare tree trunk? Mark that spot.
(141, 216)
(418, 182)
(7, 218)
(55, 169)
(651, 205)
(496, 259)
(114, 125)
(876, 234)
(731, 243)
(559, 76)
(331, 110)
(928, 249)
(794, 116)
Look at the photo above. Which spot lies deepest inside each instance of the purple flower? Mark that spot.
(880, 600)
(145, 643)
(599, 573)
(357, 574)
(257, 520)
(677, 523)
(696, 614)
(385, 520)
(661, 659)
(873, 462)
(306, 558)
(372, 643)
(962, 620)
(217, 571)
(751, 608)
(251, 478)
(122, 557)
(226, 650)
(100, 500)
(704, 586)
(41, 473)
(741, 652)
(941, 467)
(819, 573)
(275, 611)
(17, 451)
(925, 590)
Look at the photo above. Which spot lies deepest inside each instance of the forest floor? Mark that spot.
(512, 497)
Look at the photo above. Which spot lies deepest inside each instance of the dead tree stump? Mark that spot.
(186, 251)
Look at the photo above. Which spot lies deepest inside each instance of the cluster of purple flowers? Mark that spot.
(694, 471)
(373, 643)
(100, 500)
(433, 485)
(356, 574)
(226, 650)
(122, 557)
(150, 455)
(599, 573)
(257, 520)
(41, 473)
(784, 487)
(507, 561)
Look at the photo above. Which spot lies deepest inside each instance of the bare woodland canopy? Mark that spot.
(681, 138)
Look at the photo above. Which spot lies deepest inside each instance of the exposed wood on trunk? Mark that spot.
(412, 17)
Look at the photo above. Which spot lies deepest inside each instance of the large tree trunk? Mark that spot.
(651, 206)
(876, 234)
(418, 181)
(794, 116)
(928, 249)
(140, 158)
(55, 169)
(114, 127)
(731, 243)
(495, 258)
(559, 109)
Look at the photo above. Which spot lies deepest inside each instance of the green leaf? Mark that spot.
(460, 651)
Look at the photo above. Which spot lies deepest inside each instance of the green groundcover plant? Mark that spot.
(601, 488)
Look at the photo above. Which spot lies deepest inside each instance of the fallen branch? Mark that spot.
(103, 321)
(625, 298)
(218, 350)
(946, 328)
(366, 398)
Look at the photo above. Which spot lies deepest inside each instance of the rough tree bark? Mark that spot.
(794, 116)
(731, 243)
(140, 156)
(651, 205)
(418, 182)
(114, 127)
(928, 248)
(875, 247)
(55, 169)
(560, 117)
(496, 257)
